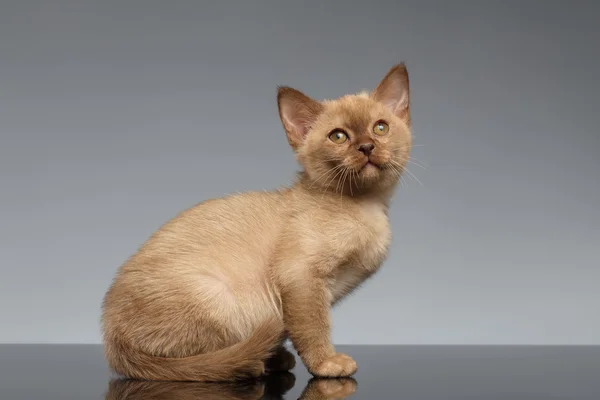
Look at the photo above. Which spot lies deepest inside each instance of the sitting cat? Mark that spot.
(213, 294)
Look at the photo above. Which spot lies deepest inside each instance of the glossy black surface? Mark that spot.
(385, 372)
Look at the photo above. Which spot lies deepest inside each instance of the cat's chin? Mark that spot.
(370, 171)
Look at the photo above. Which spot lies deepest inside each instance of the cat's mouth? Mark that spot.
(371, 164)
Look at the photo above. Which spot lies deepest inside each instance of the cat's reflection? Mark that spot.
(272, 387)
(328, 389)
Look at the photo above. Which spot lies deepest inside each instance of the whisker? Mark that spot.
(340, 181)
(326, 173)
(413, 175)
(412, 161)
(418, 163)
(396, 167)
(354, 176)
(340, 170)
(398, 173)
(342, 191)
(350, 185)
(330, 181)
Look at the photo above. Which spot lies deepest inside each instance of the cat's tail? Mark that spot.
(243, 360)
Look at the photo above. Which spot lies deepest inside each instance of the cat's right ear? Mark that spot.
(298, 113)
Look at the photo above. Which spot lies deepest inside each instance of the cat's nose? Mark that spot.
(366, 148)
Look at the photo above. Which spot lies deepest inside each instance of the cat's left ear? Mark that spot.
(298, 113)
(394, 92)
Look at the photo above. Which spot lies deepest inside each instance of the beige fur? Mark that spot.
(214, 292)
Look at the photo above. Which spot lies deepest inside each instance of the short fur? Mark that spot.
(212, 295)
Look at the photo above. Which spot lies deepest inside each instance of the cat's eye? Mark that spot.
(381, 128)
(338, 136)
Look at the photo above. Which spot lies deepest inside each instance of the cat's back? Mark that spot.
(231, 234)
(235, 221)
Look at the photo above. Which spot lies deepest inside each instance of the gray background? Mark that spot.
(116, 115)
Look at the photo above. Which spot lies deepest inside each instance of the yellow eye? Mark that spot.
(381, 128)
(338, 137)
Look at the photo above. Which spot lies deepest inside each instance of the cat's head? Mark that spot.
(356, 143)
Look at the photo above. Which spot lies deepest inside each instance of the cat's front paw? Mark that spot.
(340, 365)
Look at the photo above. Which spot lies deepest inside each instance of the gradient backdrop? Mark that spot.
(116, 115)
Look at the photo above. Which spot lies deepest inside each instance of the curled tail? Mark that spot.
(240, 361)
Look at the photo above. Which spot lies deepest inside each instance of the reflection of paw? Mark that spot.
(340, 365)
(329, 389)
(335, 388)
(282, 360)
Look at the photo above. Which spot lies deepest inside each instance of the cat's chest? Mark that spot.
(353, 242)
(371, 243)
(373, 236)
(359, 235)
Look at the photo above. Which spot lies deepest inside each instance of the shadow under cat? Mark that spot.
(270, 387)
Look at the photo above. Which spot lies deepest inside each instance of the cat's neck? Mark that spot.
(372, 195)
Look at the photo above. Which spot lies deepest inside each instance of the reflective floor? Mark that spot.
(63, 372)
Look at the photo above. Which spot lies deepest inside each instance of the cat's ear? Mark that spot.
(298, 112)
(393, 91)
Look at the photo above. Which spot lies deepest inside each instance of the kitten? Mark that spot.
(213, 294)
